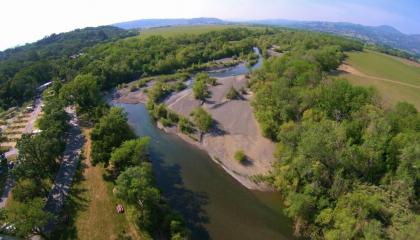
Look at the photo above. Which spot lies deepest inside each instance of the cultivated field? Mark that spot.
(177, 30)
(395, 79)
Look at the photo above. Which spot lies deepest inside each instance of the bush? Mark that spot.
(179, 86)
(173, 117)
(185, 126)
(166, 122)
(240, 156)
(200, 90)
(202, 119)
(232, 94)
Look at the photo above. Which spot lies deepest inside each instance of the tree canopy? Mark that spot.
(346, 165)
(111, 131)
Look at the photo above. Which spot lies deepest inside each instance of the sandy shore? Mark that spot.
(235, 129)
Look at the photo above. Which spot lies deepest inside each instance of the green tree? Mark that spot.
(130, 153)
(108, 134)
(135, 186)
(83, 91)
(359, 214)
(38, 158)
(28, 218)
(202, 119)
(338, 98)
(27, 189)
(200, 90)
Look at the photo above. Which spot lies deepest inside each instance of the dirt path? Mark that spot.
(99, 220)
(351, 70)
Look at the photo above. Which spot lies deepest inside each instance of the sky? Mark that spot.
(23, 21)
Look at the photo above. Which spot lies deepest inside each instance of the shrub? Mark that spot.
(240, 156)
(173, 117)
(166, 122)
(185, 126)
(200, 90)
(202, 119)
(232, 94)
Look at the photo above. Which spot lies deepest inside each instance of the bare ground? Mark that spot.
(126, 96)
(235, 129)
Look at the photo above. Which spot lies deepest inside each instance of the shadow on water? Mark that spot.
(188, 203)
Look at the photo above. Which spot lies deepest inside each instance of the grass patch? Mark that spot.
(383, 66)
(89, 211)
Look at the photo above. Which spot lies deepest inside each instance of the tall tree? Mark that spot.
(130, 153)
(108, 134)
(28, 218)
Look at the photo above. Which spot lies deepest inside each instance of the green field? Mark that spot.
(177, 30)
(394, 79)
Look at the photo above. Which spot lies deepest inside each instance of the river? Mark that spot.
(214, 205)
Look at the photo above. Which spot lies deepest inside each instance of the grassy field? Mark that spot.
(177, 30)
(395, 79)
(91, 206)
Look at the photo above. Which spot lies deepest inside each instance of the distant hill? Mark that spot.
(149, 23)
(384, 35)
(67, 43)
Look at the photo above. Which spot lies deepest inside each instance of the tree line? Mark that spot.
(36, 166)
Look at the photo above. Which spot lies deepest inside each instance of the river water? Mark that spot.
(214, 205)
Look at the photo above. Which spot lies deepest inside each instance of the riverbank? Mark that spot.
(235, 129)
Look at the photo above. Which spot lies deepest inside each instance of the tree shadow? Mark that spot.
(247, 162)
(187, 202)
(217, 130)
(76, 202)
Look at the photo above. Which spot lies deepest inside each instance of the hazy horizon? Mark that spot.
(25, 21)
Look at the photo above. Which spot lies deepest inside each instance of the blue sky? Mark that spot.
(24, 21)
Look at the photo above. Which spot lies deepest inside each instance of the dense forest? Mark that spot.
(23, 69)
(347, 166)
